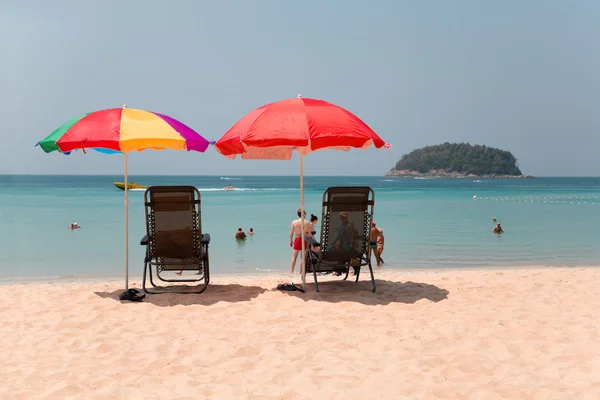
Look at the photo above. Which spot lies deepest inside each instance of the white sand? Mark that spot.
(480, 334)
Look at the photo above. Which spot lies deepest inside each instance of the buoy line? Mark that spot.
(591, 200)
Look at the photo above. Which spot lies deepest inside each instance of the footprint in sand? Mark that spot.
(105, 348)
(247, 351)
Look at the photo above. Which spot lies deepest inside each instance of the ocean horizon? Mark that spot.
(427, 223)
(293, 176)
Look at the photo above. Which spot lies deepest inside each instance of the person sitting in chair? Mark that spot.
(347, 234)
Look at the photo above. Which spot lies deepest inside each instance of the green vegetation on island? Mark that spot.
(457, 160)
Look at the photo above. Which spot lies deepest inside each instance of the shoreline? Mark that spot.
(271, 275)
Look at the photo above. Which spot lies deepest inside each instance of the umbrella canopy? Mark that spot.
(274, 131)
(122, 130)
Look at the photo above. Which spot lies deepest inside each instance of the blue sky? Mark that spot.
(522, 76)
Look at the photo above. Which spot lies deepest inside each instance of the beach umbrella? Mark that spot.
(123, 130)
(274, 131)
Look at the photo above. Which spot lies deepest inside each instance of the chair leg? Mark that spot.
(347, 271)
(357, 270)
(310, 260)
(161, 289)
(150, 273)
(372, 276)
(315, 276)
(205, 265)
(203, 288)
(144, 279)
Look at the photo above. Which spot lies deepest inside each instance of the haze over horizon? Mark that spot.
(519, 76)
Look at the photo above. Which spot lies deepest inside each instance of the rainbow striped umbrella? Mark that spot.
(123, 130)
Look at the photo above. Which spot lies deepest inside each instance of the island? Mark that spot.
(457, 160)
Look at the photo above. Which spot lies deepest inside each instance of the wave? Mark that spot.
(225, 178)
(421, 177)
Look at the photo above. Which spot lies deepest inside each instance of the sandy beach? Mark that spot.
(455, 334)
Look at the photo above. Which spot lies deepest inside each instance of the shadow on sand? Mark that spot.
(336, 291)
(215, 293)
(333, 291)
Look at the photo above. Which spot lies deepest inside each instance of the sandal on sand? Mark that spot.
(289, 287)
(132, 295)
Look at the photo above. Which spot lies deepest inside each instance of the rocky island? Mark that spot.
(457, 160)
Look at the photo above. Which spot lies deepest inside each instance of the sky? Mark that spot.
(522, 76)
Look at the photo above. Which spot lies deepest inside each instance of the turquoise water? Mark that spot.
(427, 223)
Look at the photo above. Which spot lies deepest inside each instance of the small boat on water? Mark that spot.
(130, 185)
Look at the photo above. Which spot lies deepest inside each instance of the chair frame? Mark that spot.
(152, 259)
(319, 262)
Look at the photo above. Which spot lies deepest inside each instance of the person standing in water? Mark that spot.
(240, 235)
(498, 229)
(376, 242)
(379, 249)
(296, 236)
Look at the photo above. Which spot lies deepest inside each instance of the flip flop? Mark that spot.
(289, 287)
(132, 295)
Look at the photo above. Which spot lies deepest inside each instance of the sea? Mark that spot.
(427, 223)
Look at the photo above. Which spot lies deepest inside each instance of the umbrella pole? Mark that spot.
(126, 226)
(303, 252)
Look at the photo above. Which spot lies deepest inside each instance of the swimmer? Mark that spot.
(240, 235)
(251, 232)
(498, 229)
(74, 225)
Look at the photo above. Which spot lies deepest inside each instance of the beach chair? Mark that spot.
(174, 240)
(345, 226)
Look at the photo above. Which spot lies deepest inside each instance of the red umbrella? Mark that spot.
(275, 130)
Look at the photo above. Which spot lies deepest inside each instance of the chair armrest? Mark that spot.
(312, 241)
(144, 240)
(205, 238)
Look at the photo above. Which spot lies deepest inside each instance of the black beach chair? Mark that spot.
(345, 226)
(174, 240)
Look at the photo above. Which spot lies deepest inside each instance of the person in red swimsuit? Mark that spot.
(296, 236)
